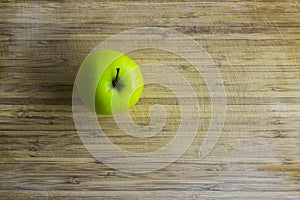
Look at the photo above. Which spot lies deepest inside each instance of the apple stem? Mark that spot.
(115, 82)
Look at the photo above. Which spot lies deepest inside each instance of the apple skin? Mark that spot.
(95, 79)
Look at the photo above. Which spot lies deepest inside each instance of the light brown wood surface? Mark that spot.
(255, 45)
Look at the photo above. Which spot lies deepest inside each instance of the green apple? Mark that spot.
(109, 82)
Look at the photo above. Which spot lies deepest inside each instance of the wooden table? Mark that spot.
(254, 44)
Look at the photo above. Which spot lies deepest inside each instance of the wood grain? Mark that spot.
(255, 45)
